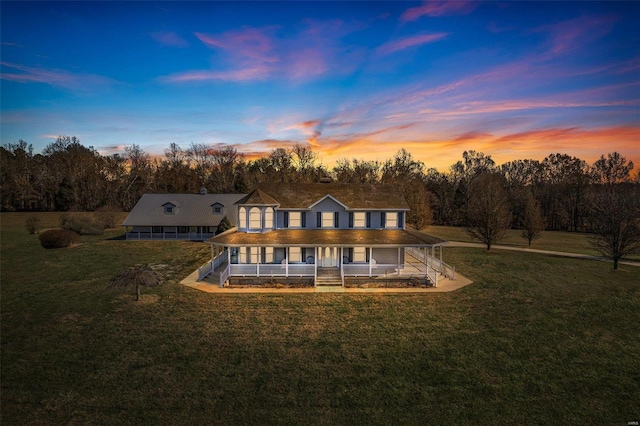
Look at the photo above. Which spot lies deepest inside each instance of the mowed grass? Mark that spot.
(536, 339)
(571, 242)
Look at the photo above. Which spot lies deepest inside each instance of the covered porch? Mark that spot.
(329, 263)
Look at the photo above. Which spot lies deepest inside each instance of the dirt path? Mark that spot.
(549, 252)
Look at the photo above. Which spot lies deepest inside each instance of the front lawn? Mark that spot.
(536, 339)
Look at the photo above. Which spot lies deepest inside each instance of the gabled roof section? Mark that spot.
(354, 196)
(195, 210)
(258, 198)
(329, 197)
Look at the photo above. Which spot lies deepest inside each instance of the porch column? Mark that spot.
(286, 262)
(426, 256)
(370, 260)
(229, 257)
(212, 255)
(315, 266)
(399, 260)
(440, 256)
(163, 236)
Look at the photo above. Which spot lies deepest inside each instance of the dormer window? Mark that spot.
(169, 208)
(217, 208)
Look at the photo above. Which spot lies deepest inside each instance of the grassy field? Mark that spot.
(572, 242)
(536, 340)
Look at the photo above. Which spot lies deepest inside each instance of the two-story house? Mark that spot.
(323, 232)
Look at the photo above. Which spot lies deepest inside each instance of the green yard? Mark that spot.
(572, 242)
(536, 339)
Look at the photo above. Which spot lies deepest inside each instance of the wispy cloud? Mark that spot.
(169, 38)
(255, 54)
(56, 78)
(574, 34)
(8, 43)
(249, 45)
(438, 8)
(239, 75)
(407, 42)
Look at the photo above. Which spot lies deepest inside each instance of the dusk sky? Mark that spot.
(514, 80)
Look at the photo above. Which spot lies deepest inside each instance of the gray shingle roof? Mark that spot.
(190, 210)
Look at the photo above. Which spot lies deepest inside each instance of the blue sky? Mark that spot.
(351, 79)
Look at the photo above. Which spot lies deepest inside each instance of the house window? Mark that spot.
(169, 209)
(268, 255)
(295, 254)
(359, 219)
(156, 229)
(242, 216)
(391, 220)
(268, 218)
(242, 255)
(255, 254)
(295, 219)
(217, 209)
(359, 254)
(327, 219)
(254, 218)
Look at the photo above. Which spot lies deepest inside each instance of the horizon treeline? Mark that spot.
(68, 176)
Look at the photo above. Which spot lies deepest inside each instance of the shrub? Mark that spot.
(107, 216)
(32, 224)
(80, 223)
(224, 225)
(58, 238)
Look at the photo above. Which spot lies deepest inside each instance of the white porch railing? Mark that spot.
(205, 270)
(366, 270)
(271, 270)
(170, 236)
(224, 275)
(433, 262)
(211, 265)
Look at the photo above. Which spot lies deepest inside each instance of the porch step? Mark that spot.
(324, 282)
(328, 277)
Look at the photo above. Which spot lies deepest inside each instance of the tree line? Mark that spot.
(560, 192)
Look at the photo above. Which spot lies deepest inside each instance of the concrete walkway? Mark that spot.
(444, 285)
(549, 252)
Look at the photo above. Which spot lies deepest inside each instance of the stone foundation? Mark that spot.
(386, 283)
(276, 282)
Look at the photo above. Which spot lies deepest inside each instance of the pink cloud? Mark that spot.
(238, 75)
(57, 78)
(575, 33)
(404, 43)
(438, 8)
(248, 44)
(169, 38)
(257, 53)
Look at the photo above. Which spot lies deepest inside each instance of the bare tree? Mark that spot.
(615, 219)
(488, 214)
(419, 199)
(613, 169)
(136, 276)
(532, 220)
